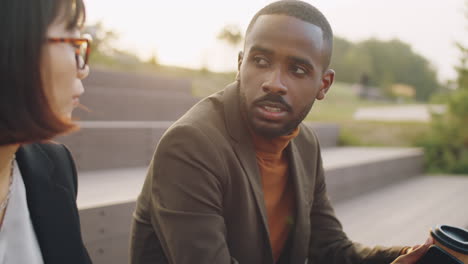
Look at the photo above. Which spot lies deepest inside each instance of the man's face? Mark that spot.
(281, 73)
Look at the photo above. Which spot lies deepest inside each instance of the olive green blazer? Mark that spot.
(202, 200)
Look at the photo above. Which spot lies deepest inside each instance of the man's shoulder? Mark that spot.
(205, 111)
(307, 141)
(204, 121)
(307, 135)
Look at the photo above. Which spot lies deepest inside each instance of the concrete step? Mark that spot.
(102, 145)
(351, 171)
(403, 213)
(120, 96)
(106, 197)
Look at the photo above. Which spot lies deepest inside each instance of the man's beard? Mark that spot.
(269, 132)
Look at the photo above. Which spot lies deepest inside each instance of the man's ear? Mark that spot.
(327, 80)
(240, 57)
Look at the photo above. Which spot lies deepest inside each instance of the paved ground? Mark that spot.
(403, 214)
(397, 113)
(107, 187)
(399, 214)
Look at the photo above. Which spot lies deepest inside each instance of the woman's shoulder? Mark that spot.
(51, 157)
(54, 151)
(51, 147)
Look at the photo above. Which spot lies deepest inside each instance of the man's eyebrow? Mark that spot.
(261, 49)
(303, 61)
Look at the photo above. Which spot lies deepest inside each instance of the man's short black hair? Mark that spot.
(303, 11)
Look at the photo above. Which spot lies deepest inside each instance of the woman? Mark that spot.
(42, 62)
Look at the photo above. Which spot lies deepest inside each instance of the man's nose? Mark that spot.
(275, 83)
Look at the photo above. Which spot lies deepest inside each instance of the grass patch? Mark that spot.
(339, 107)
(372, 133)
(340, 104)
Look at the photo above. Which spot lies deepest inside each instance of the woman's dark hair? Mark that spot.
(26, 114)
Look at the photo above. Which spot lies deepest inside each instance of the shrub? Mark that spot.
(446, 145)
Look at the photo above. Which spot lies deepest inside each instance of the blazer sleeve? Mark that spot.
(186, 179)
(73, 171)
(65, 177)
(329, 244)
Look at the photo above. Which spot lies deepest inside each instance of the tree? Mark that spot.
(231, 34)
(349, 61)
(395, 62)
(103, 39)
(386, 63)
(103, 47)
(153, 60)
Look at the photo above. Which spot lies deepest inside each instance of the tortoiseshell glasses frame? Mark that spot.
(82, 48)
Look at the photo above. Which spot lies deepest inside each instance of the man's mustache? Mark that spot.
(273, 98)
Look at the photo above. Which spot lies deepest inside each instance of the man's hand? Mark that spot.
(414, 253)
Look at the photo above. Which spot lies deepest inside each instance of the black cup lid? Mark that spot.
(452, 237)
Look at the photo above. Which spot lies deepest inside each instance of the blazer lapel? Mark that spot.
(50, 205)
(245, 152)
(302, 189)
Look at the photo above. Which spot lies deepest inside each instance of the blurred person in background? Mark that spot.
(43, 59)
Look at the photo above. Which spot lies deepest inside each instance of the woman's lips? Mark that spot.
(76, 101)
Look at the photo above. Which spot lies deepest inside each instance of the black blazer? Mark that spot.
(50, 179)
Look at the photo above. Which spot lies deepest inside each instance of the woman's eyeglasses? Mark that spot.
(82, 48)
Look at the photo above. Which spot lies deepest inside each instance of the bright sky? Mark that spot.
(184, 33)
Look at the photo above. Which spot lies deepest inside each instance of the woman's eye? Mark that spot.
(260, 61)
(76, 46)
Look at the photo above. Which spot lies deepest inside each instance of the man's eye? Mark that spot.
(298, 70)
(260, 61)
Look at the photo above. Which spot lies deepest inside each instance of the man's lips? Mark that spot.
(272, 111)
(273, 106)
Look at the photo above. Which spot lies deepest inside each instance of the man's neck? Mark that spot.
(274, 146)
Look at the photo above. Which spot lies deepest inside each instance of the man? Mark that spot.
(239, 179)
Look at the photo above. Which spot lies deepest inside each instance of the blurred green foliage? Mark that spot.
(385, 63)
(446, 145)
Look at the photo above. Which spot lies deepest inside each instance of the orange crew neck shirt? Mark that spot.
(278, 191)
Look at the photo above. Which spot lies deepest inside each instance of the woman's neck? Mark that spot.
(7, 153)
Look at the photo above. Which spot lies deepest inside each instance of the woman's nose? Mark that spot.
(83, 73)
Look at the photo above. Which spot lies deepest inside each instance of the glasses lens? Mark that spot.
(82, 58)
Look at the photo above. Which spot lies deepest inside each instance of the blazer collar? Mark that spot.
(236, 126)
(36, 168)
(244, 149)
(302, 189)
(51, 205)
